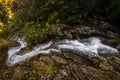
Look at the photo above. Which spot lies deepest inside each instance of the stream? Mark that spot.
(91, 47)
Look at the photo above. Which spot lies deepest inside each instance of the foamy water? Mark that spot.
(91, 47)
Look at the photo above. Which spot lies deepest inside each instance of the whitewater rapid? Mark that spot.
(92, 47)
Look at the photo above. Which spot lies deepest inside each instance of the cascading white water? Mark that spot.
(14, 58)
(92, 47)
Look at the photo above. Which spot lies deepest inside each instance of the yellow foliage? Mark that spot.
(8, 8)
(1, 27)
(1, 1)
(47, 26)
(1, 24)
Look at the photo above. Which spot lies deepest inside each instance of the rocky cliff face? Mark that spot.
(68, 65)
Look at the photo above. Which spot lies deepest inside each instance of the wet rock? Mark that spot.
(113, 42)
(111, 34)
(24, 50)
(18, 73)
(102, 63)
(7, 43)
(98, 74)
(63, 72)
(73, 57)
(59, 59)
(68, 35)
(41, 39)
(105, 66)
(62, 31)
(105, 25)
(115, 62)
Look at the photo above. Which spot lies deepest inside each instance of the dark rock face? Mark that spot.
(71, 32)
(63, 31)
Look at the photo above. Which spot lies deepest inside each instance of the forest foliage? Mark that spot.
(32, 17)
(3, 15)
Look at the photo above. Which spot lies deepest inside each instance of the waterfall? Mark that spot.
(92, 47)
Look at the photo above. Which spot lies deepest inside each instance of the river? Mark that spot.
(90, 47)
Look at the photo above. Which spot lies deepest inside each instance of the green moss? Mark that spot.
(50, 69)
(34, 32)
(46, 69)
(33, 75)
